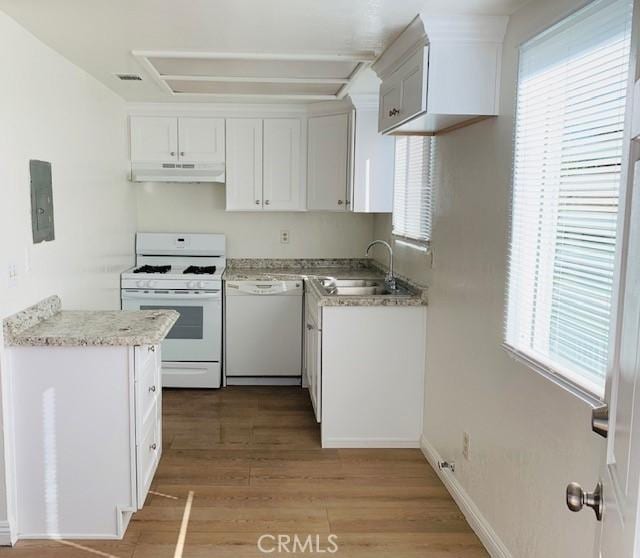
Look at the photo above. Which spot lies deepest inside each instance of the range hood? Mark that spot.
(441, 73)
(178, 172)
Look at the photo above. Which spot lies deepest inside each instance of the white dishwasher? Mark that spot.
(263, 332)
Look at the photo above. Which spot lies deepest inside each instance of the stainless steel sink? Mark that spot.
(361, 287)
(352, 283)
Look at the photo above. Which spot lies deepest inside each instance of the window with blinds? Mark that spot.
(412, 189)
(568, 153)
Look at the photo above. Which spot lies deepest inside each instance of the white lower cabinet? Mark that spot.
(313, 355)
(87, 433)
(365, 368)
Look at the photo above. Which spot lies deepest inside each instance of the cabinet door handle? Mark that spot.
(340, 202)
(348, 202)
(152, 348)
(309, 327)
(257, 202)
(267, 202)
(152, 389)
(181, 153)
(153, 447)
(172, 153)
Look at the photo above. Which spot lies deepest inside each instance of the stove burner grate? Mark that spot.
(201, 270)
(153, 269)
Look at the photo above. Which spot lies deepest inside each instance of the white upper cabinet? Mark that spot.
(350, 165)
(154, 139)
(441, 72)
(264, 165)
(403, 94)
(201, 140)
(172, 139)
(328, 162)
(283, 182)
(244, 164)
(373, 160)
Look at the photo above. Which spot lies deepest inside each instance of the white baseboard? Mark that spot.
(374, 443)
(70, 537)
(265, 381)
(489, 538)
(6, 538)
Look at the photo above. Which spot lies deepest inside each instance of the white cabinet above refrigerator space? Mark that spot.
(441, 72)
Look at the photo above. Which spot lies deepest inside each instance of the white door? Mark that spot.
(154, 139)
(621, 472)
(201, 140)
(328, 163)
(244, 164)
(283, 183)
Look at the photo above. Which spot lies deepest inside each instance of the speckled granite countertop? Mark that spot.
(313, 271)
(46, 324)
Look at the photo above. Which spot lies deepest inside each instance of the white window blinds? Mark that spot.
(568, 150)
(412, 188)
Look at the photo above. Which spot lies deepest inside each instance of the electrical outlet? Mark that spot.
(284, 237)
(465, 445)
(12, 275)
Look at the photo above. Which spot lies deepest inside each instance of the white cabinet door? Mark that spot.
(154, 139)
(201, 140)
(373, 166)
(390, 102)
(328, 162)
(148, 423)
(244, 164)
(414, 84)
(283, 183)
(313, 337)
(403, 94)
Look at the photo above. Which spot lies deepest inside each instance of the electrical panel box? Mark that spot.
(41, 201)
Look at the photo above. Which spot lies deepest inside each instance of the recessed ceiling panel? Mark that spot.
(254, 68)
(248, 88)
(301, 77)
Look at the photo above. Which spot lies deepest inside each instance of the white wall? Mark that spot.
(200, 208)
(529, 438)
(52, 110)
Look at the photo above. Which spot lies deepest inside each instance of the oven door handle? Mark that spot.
(171, 296)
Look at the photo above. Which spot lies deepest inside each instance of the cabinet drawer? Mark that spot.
(148, 451)
(144, 354)
(148, 384)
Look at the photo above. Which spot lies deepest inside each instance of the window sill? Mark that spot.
(585, 395)
(410, 243)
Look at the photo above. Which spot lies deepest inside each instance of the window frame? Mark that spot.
(422, 245)
(556, 373)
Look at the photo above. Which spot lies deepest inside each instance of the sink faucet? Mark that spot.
(390, 280)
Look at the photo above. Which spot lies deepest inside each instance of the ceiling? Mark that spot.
(100, 35)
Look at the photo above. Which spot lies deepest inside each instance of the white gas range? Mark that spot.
(182, 272)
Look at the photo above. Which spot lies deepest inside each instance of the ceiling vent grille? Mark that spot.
(129, 77)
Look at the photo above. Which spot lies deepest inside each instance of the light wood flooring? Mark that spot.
(251, 457)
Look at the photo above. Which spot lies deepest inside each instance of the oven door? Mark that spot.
(197, 335)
